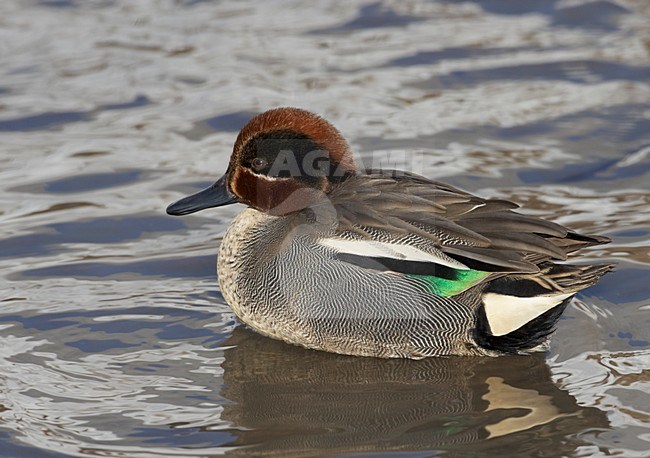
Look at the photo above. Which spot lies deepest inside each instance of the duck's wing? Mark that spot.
(412, 225)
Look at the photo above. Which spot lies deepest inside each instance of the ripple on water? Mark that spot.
(114, 337)
(57, 120)
(93, 231)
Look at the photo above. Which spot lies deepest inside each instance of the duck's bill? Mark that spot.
(216, 195)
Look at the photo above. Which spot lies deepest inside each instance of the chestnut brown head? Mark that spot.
(283, 160)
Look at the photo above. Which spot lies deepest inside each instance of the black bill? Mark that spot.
(216, 195)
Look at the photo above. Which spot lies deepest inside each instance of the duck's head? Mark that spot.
(284, 160)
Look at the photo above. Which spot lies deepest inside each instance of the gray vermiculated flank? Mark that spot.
(299, 292)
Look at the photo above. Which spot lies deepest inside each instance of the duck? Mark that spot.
(381, 263)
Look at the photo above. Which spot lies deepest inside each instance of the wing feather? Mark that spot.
(484, 234)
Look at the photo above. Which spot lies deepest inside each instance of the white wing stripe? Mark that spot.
(375, 249)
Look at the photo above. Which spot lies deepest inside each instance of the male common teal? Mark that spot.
(380, 262)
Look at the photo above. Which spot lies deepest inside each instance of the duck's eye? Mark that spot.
(259, 163)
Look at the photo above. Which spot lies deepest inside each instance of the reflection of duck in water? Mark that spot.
(380, 263)
(288, 401)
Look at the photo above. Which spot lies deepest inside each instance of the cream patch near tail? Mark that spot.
(507, 313)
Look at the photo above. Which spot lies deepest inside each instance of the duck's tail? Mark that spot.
(573, 241)
(518, 313)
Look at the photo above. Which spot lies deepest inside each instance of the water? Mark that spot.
(115, 340)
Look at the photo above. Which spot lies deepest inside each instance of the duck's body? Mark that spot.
(382, 263)
(313, 299)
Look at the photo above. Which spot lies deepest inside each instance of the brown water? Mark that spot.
(114, 338)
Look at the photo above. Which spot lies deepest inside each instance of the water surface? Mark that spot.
(114, 337)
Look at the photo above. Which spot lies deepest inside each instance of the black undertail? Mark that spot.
(527, 337)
